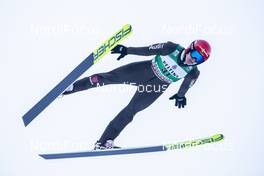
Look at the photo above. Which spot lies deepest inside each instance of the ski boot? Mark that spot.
(67, 91)
(109, 144)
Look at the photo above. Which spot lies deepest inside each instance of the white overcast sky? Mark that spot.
(42, 41)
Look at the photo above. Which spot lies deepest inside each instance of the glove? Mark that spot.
(119, 49)
(180, 101)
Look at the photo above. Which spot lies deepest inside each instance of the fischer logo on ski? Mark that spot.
(111, 42)
(188, 144)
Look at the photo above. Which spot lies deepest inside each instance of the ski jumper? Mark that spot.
(153, 75)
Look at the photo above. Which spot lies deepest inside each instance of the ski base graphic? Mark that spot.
(126, 151)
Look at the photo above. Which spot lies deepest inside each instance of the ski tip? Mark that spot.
(127, 26)
(218, 137)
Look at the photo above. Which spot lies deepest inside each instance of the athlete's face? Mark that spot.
(189, 60)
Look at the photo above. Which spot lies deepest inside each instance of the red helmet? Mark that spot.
(199, 48)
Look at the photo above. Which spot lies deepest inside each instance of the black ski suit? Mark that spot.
(138, 74)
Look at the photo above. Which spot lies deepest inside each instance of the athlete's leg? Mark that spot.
(140, 101)
(133, 73)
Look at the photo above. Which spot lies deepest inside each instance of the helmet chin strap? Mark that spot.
(182, 58)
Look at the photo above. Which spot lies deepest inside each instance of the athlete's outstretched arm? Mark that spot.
(187, 83)
(159, 48)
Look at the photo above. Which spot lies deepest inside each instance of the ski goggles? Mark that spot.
(197, 56)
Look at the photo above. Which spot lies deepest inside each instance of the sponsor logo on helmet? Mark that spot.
(203, 51)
